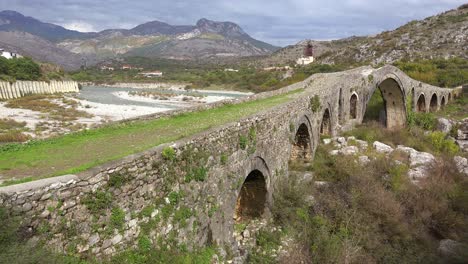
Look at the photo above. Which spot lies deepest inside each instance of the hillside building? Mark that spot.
(9, 55)
(151, 74)
(308, 57)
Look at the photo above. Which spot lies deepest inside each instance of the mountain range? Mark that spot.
(71, 49)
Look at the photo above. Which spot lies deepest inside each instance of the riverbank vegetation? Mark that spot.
(26, 69)
(205, 76)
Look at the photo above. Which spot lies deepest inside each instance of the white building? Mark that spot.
(308, 57)
(9, 55)
(151, 74)
(305, 60)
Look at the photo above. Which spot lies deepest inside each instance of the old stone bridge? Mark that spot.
(193, 191)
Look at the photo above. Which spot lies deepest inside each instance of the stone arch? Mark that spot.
(433, 103)
(449, 97)
(393, 95)
(353, 104)
(301, 148)
(443, 102)
(252, 198)
(413, 99)
(239, 200)
(326, 124)
(421, 103)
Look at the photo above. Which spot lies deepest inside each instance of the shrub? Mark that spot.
(441, 144)
(425, 121)
(117, 219)
(243, 142)
(168, 153)
(98, 202)
(315, 103)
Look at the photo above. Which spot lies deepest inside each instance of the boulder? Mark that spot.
(350, 150)
(341, 140)
(362, 144)
(444, 125)
(462, 164)
(363, 160)
(381, 147)
(421, 158)
(327, 141)
(449, 247)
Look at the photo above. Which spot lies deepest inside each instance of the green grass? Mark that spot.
(456, 109)
(77, 152)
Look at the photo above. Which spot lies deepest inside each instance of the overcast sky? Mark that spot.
(279, 22)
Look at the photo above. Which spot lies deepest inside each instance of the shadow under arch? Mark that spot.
(433, 103)
(392, 112)
(353, 104)
(253, 197)
(303, 145)
(326, 125)
(421, 103)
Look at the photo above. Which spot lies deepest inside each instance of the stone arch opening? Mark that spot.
(325, 127)
(421, 104)
(251, 201)
(301, 149)
(387, 105)
(450, 97)
(442, 102)
(353, 106)
(433, 103)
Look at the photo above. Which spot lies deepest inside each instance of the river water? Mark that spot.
(106, 95)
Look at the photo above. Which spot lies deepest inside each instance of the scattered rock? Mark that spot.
(448, 247)
(462, 164)
(363, 160)
(381, 147)
(362, 144)
(116, 239)
(107, 243)
(350, 150)
(341, 140)
(327, 141)
(421, 158)
(93, 239)
(444, 125)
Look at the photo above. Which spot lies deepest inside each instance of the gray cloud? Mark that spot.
(280, 22)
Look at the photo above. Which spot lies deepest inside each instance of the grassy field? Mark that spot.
(79, 151)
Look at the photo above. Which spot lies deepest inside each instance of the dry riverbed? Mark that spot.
(43, 116)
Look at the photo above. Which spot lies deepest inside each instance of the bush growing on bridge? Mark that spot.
(168, 153)
(315, 103)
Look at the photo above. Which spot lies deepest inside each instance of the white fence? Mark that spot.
(22, 88)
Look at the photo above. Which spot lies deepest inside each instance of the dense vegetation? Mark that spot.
(204, 75)
(19, 69)
(439, 72)
(28, 70)
(372, 213)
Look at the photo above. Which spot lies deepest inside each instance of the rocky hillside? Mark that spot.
(68, 48)
(440, 36)
(157, 39)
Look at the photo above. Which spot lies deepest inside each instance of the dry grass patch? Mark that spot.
(49, 104)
